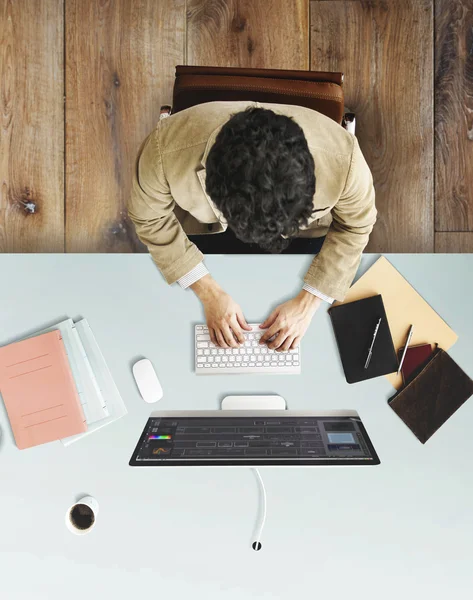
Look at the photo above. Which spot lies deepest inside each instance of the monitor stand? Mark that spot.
(253, 403)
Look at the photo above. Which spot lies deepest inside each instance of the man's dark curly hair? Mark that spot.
(260, 175)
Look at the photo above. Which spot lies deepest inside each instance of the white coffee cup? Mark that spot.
(82, 515)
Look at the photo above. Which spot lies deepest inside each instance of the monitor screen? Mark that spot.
(182, 439)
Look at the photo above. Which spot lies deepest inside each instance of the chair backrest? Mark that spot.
(319, 90)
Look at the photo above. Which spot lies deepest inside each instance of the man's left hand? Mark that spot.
(288, 322)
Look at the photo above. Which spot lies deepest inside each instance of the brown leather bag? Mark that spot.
(437, 389)
(318, 90)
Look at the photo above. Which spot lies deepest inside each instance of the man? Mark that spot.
(267, 173)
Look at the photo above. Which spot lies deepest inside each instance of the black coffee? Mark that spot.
(82, 516)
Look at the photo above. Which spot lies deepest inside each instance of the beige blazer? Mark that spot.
(168, 197)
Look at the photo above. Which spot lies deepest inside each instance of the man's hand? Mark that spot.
(288, 322)
(224, 317)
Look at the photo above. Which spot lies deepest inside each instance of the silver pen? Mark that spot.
(409, 336)
(370, 352)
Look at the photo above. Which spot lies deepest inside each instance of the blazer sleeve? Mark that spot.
(151, 209)
(334, 268)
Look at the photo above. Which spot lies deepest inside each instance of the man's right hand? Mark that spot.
(224, 317)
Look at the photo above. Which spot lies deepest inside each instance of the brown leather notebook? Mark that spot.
(433, 394)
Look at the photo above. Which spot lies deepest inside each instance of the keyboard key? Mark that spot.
(221, 351)
(206, 352)
(200, 352)
(239, 358)
(232, 358)
(203, 338)
(207, 366)
(202, 344)
(200, 366)
(201, 359)
(222, 366)
(224, 359)
(210, 359)
(213, 352)
(218, 359)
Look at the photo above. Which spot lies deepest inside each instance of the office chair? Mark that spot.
(318, 90)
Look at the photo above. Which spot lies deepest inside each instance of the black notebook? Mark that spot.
(354, 325)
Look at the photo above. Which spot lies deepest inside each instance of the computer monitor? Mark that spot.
(254, 438)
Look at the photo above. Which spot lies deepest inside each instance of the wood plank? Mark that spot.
(385, 50)
(32, 126)
(248, 33)
(454, 115)
(454, 242)
(120, 59)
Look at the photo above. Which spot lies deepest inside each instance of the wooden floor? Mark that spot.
(81, 83)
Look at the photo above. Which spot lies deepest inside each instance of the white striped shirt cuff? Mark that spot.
(316, 292)
(194, 275)
(201, 270)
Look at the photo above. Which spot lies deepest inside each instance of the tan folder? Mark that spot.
(39, 391)
(404, 307)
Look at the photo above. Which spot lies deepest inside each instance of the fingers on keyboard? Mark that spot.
(249, 356)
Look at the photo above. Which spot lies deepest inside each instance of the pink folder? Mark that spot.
(39, 391)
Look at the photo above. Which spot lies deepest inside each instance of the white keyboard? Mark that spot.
(250, 357)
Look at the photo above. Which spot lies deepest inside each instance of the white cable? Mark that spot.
(263, 518)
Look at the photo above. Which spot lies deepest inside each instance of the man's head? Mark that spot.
(260, 175)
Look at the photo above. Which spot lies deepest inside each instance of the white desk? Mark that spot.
(403, 529)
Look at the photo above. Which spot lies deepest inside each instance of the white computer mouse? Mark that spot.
(147, 381)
